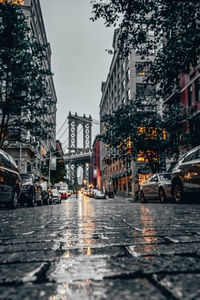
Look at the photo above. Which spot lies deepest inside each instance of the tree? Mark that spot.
(138, 128)
(24, 94)
(175, 27)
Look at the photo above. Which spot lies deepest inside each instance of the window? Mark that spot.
(198, 154)
(143, 90)
(141, 70)
(13, 163)
(123, 67)
(4, 160)
(124, 187)
(151, 32)
(20, 2)
(123, 85)
(154, 179)
(165, 177)
(115, 102)
(128, 73)
(190, 156)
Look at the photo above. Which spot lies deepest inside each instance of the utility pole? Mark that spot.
(20, 157)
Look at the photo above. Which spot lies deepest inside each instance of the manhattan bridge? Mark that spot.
(78, 145)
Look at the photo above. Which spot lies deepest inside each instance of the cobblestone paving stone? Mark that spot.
(100, 249)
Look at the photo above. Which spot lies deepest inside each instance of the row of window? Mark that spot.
(18, 2)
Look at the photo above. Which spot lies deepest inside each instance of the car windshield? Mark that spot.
(27, 178)
(165, 177)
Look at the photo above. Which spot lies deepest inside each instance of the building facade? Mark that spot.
(189, 97)
(29, 158)
(95, 175)
(124, 80)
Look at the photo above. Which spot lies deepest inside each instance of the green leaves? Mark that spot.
(140, 122)
(25, 100)
(176, 34)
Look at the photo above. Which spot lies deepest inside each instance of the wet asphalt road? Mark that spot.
(100, 249)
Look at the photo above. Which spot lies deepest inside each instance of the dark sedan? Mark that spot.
(157, 186)
(10, 181)
(186, 175)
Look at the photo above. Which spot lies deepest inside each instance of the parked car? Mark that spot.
(10, 180)
(92, 193)
(99, 195)
(29, 190)
(157, 186)
(63, 192)
(55, 196)
(186, 175)
(87, 192)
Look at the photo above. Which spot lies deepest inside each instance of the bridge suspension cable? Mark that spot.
(63, 132)
(62, 125)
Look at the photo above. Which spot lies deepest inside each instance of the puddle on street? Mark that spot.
(147, 242)
(76, 268)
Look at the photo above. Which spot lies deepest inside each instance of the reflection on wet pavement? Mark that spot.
(100, 249)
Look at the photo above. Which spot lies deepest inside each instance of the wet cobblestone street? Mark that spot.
(100, 249)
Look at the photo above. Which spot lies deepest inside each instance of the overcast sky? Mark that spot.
(79, 60)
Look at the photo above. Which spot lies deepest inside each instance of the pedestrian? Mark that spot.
(76, 194)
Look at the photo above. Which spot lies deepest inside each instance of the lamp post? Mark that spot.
(49, 176)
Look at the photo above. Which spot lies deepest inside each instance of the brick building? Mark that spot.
(189, 97)
(124, 80)
(27, 157)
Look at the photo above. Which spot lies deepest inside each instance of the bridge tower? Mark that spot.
(76, 150)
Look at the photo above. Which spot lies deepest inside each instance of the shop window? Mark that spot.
(128, 94)
(124, 187)
(123, 86)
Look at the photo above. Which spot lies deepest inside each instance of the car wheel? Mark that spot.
(162, 196)
(178, 193)
(142, 198)
(14, 202)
